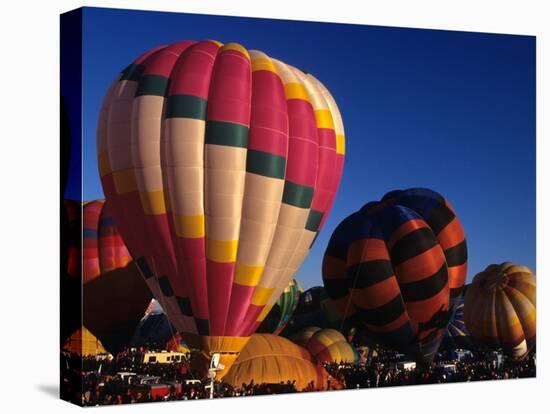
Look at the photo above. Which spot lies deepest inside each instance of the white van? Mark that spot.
(163, 357)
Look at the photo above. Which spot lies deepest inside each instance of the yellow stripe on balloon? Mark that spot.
(248, 275)
(296, 91)
(340, 144)
(153, 202)
(191, 227)
(221, 251)
(125, 181)
(323, 117)
(261, 295)
(264, 64)
(237, 47)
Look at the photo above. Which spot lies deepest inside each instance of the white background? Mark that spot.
(29, 235)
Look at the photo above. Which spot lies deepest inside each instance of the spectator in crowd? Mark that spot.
(104, 381)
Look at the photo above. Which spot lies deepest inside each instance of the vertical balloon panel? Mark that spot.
(500, 309)
(115, 165)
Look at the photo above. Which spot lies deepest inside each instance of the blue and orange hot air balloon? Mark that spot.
(396, 268)
(221, 165)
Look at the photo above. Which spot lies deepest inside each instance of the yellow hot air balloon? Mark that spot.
(82, 342)
(500, 308)
(303, 336)
(329, 345)
(220, 165)
(271, 359)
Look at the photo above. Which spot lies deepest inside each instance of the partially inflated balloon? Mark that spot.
(396, 268)
(221, 165)
(271, 359)
(500, 308)
(329, 345)
(281, 313)
(303, 336)
(82, 342)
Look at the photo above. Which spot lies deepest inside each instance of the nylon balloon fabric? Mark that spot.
(101, 249)
(396, 268)
(282, 312)
(114, 295)
(500, 308)
(221, 165)
(271, 359)
(457, 335)
(327, 345)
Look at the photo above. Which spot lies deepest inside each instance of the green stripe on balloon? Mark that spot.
(154, 85)
(132, 72)
(226, 133)
(186, 106)
(314, 220)
(263, 163)
(297, 195)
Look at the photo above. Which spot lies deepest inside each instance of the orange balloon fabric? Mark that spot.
(500, 308)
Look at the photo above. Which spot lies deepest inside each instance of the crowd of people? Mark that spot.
(378, 374)
(126, 379)
(92, 381)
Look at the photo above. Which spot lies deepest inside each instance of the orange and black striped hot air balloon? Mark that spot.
(500, 308)
(221, 165)
(396, 268)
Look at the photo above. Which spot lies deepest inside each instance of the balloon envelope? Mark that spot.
(221, 165)
(303, 336)
(282, 312)
(82, 342)
(457, 335)
(500, 308)
(271, 359)
(396, 268)
(114, 295)
(327, 345)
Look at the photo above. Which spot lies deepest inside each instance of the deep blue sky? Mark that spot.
(451, 111)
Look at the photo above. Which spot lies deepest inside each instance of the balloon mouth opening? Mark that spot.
(205, 347)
